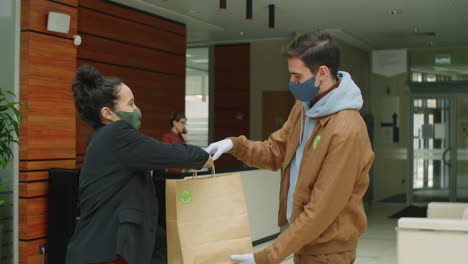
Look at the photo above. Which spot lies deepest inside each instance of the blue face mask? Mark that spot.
(305, 91)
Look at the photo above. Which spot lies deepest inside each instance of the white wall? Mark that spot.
(390, 166)
(261, 190)
(268, 72)
(9, 80)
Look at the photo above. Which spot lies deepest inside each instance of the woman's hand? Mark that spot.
(184, 135)
(209, 163)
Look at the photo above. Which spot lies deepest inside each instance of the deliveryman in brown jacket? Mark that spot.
(325, 153)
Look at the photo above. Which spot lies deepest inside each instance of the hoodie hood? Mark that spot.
(346, 96)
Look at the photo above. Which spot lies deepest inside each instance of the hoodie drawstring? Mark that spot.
(302, 126)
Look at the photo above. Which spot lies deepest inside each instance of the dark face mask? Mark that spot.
(305, 91)
(133, 118)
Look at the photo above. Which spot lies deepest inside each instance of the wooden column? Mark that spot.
(48, 133)
(231, 96)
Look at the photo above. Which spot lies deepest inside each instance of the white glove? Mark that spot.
(244, 259)
(218, 148)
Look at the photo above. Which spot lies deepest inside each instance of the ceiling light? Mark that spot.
(395, 12)
(242, 33)
(188, 55)
(222, 4)
(248, 10)
(271, 16)
(192, 11)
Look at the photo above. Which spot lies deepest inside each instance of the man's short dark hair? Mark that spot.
(175, 116)
(315, 48)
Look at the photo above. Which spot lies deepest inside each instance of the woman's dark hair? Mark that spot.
(92, 92)
(175, 116)
(315, 48)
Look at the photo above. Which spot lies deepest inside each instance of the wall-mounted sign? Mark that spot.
(442, 59)
(389, 62)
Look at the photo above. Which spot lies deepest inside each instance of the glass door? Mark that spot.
(439, 149)
(431, 148)
(461, 164)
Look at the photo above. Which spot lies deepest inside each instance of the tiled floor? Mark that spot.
(378, 244)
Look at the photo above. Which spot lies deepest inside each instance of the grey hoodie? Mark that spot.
(346, 96)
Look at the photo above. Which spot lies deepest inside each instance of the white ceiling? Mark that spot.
(367, 23)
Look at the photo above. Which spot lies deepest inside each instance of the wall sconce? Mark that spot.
(271, 17)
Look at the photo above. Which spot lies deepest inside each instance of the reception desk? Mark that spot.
(261, 189)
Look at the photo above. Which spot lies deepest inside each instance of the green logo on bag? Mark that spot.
(186, 196)
(316, 141)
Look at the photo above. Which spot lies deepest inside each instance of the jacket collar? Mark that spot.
(323, 119)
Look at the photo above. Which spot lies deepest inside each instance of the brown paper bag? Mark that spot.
(207, 220)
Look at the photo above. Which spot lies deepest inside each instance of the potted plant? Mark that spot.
(10, 118)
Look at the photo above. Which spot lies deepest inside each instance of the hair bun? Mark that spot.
(87, 76)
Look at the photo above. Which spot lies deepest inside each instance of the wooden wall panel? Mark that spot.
(34, 175)
(146, 52)
(66, 2)
(276, 108)
(33, 189)
(43, 165)
(105, 25)
(151, 91)
(50, 126)
(134, 15)
(33, 218)
(231, 96)
(127, 55)
(28, 251)
(34, 18)
(83, 131)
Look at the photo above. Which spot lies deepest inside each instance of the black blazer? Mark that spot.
(116, 195)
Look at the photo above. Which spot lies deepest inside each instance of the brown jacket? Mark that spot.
(328, 214)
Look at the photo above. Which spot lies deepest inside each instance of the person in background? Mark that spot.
(118, 206)
(178, 134)
(325, 153)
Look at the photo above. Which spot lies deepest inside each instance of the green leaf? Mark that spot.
(17, 114)
(10, 118)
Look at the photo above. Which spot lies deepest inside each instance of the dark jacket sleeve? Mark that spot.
(146, 153)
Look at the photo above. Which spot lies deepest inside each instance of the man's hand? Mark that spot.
(220, 147)
(244, 259)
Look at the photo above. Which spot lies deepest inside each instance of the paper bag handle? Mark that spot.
(213, 172)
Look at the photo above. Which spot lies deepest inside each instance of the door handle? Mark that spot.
(444, 155)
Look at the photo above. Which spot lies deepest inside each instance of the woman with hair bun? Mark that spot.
(118, 208)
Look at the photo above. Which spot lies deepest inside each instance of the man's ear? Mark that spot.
(323, 70)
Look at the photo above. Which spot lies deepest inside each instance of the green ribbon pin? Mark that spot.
(316, 141)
